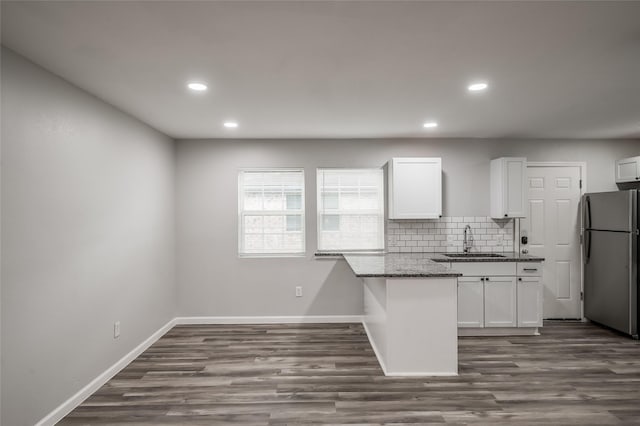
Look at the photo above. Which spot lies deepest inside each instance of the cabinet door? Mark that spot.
(500, 302)
(529, 302)
(628, 169)
(415, 188)
(508, 189)
(515, 187)
(470, 302)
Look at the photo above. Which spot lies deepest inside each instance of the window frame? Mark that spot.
(242, 213)
(381, 211)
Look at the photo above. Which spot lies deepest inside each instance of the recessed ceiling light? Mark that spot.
(477, 87)
(197, 87)
(430, 125)
(230, 124)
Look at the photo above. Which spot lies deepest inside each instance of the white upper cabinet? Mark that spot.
(508, 190)
(628, 170)
(415, 188)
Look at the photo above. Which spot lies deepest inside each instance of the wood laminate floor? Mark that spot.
(573, 374)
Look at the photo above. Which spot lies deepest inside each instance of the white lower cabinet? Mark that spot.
(529, 302)
(496, 297)
(470, 302)
(500, 302)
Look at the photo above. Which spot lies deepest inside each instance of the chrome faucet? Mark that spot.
(467, 243)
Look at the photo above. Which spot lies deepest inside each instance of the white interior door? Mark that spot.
(552, 226)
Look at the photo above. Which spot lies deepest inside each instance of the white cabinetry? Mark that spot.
(508, 187)
(530, 295)
(529, 302)
(500, 302)
(470, 302)
(499, 298)
(415, 188)
(628, 170)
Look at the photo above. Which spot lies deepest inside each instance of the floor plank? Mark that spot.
(283, 374)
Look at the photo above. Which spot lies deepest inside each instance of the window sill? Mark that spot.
(269, 255)
(332, 254)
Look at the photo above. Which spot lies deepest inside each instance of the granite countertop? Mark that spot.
(398, 265)
(512, 256)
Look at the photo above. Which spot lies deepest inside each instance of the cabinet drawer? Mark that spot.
(484, 268)
(533, 269)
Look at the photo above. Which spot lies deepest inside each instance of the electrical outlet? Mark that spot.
(299, 291)
(116, 329)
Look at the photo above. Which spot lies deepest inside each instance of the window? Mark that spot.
(350, 209)
(271, 212)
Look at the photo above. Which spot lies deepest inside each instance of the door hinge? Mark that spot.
(582, 295)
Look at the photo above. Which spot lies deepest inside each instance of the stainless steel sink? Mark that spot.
(473, 255)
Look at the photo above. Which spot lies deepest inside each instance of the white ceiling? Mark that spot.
(347, 69)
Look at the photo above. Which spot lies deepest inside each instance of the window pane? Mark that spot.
(331, 222)
(293, 242)
(368, 200)
(294, 201)
(294, 223)
(253, 200)
(331, 178)
(269, 195)
(253, 242)
(273, 224)
(273, 242)
(348, 179)
(330, 200)
(351, 211)
(349, 200)
(253, 224)
(273, 200)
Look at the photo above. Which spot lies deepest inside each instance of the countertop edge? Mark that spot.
(487, 259)
(438, 257)
(400, 275)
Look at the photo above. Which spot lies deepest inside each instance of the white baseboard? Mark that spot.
(375, 348)
(421, 374)
(271, 319)
(66, 407)
(499, 331)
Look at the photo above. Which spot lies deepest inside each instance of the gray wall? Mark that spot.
(88, 228)
(214, 281)
(87, 238)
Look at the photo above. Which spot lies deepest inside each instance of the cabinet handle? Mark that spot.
(487, 279)
(482, 279)
(506, 215)
(530, 269)
(519, 279)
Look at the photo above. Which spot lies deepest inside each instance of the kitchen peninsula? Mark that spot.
(417, 304)
(410, 315)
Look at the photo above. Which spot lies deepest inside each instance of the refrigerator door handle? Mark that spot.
(587, 200)
(586, 246)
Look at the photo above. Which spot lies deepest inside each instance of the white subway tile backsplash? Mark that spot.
(446, 234)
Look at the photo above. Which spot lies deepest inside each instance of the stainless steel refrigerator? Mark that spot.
(610, 256)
